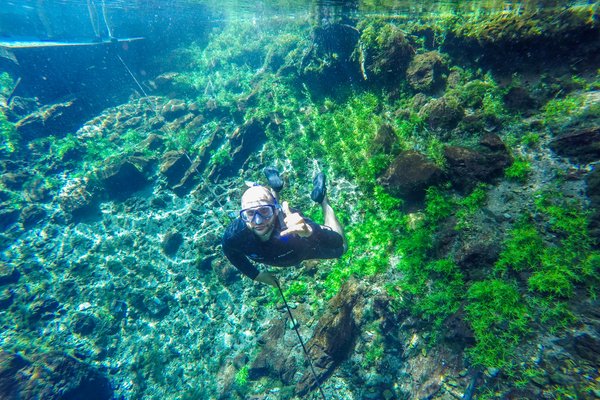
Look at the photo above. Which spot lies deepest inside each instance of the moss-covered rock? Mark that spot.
(468, 166)
(442, 114)
(383, 51)
(51, 376)
(426, 72)
(512, 40)
(409, 176)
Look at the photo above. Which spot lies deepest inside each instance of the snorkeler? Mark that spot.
(274, 234)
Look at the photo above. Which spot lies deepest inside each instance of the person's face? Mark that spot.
(260, 219)
(258, 211)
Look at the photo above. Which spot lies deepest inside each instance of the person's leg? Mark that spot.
(331, 221)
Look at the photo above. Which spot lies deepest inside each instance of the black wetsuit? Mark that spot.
(241, 244)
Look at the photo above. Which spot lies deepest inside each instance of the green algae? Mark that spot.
(338, 131)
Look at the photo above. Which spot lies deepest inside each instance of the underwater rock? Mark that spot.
(43, 309)
(22, 106)
(50, 376)
(522, 39)
(77, 199)
(7, 296)
(226, 273)
(334, 335)
(84, 324)
(48, 120)
(467, 167)
(31, 215)
(426, 71)
(384, 52)
(587, 346)
(171, 243)
(172, 84)
(154, 142)
(270, 361)
(442, 114)
(36, 190)
(8, 274)
(151, 305)
(580, 145)
(518, 99)
(8, 215)
(174, 165)
(14, 180)
(385, 141)
(174, 109)
(123, 178)
(593, 193)
(474, 257)
(244, 141)
(409, 175)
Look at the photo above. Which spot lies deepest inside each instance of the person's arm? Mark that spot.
(268, 278)
(246, 267)
(240, 261)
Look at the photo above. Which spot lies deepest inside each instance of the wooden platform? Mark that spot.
(32, 44)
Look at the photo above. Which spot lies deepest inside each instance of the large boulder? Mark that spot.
(469, 166)
(50, 376)
(384, 52)
(78, 199)
(385, 141)
(50, 120)
(244, 141)
(581, 145)
(125, 177)
(409, 176)
(334, 336)
(442, 114)
(174, 166)
(426, 72)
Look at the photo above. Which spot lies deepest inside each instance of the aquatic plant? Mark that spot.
(500, 319)
(383, 51)
(241, 377)
(370, 241)
(519, 170)
(6, 84)
(8, 136)
(469, 205)
(557, 110)
(343, 136)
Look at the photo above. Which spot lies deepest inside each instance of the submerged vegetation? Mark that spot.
(475, 234)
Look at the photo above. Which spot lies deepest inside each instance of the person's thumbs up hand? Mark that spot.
(294, 222)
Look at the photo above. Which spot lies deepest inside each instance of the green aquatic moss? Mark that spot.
(6, 84)
(500, 319)
(522, 250)
(241, 377)
(519, 170)
(557, 110)
(8, 135)
(343, 134)
(370, 242)
(469, 205)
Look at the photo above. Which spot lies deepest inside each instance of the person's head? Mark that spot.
(259, 211)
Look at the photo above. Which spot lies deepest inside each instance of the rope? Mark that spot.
(312, 368)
